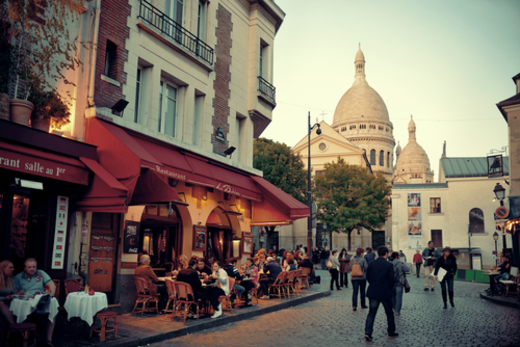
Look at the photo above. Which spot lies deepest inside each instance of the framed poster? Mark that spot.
(60, 233)
(131, 242)
(199, 238)
(247, 242)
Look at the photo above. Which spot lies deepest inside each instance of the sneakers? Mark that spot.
(249, 296)
(433, 289)
(426, 289)
(265, 297)
(368, 337)
(393, 335)
(218, 312)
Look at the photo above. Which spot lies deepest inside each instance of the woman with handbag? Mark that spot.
(358, 278)
(449, 263)
(344, 267)
(400, 270)
(334, 270)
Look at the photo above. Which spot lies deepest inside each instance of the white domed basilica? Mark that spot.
(362, 118)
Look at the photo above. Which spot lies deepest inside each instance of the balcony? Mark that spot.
(173, 30)
(267, 91)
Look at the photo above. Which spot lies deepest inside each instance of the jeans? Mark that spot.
(427, 278)
(357, 285)
(418, 268)
(323, 264)
(263, 286)
(239, 289)
(214, 294)
(334, 273)
(343, 279)
(397, 298)
(374, 305)
(450, 284)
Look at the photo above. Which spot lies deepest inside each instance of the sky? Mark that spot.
(447, 63)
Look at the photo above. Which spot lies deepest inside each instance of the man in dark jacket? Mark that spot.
(306, 262)
(190, 275)
(380, 277)
(370, 256)
(323, 258)
(274, 270)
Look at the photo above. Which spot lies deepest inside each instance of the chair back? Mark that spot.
(514, 271)
(282, 276)
(305, 272)
(141, 285)
(183, 290)
(231, 281)
(73, 285)
(170, 286)
(291, 276)
(57, 284)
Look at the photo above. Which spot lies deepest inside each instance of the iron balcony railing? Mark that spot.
(267, 89)
(169, 27)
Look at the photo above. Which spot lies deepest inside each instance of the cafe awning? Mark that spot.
(151, 189)
(277, 207)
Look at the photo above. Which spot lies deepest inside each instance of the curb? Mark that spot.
(501, 302)
(213, 323)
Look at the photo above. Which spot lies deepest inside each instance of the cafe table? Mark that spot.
(85, 306)
(24, 305)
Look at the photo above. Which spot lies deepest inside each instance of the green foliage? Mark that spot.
(281, 167)
(49, 105)
(350, 198)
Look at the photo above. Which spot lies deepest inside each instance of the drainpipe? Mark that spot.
(90, 97)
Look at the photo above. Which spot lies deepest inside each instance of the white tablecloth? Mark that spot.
(85, 306)
(22, 308)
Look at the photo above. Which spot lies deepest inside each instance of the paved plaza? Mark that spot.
(330, 321)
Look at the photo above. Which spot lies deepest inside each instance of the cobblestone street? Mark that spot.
(331, 321)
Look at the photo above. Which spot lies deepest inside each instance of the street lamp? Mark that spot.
(309, 193)
(500, 194)
(495, 237)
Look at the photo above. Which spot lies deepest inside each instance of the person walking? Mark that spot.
(417, 260)
(449, 263)
(334, 270)
(359, 283)
(370, 256)
(430, 255)
(380, 277)
(323, 258)
(344, 267)
(402, 256)
(400, 270)
(316, 257)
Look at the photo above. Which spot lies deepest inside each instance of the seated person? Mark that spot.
(203, 269)
(233, 272)
(505, 270)
(6, 289)
(190, 276)
(274, 270)
(221, 276)
(307, 263)
(290, 264)
(251, 270)
(32, 281)
(145, 271)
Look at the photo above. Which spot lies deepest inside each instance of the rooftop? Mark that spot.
(421, 186)
(469, 167)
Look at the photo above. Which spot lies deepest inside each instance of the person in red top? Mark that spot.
(418, 260)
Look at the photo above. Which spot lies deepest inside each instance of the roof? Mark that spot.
(469, 167)
(508, 102)
(421, 186)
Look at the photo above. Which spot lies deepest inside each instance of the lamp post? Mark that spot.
(495, 237)
(309, 192)
(500, 193)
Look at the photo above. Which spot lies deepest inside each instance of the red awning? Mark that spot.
(151, 188)
(277, 207)
(106, 194)
(41, 163)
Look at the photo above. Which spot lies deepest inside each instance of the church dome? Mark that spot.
(361, 102)
(413, 158)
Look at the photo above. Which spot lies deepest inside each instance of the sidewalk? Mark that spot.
(137, 330)
(509, 301)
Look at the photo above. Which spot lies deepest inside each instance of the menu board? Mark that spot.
(199, 238)
(131, 241)
(247, 243)
(60, 233)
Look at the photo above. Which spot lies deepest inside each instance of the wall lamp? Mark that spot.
(229, 151)
(119, 107)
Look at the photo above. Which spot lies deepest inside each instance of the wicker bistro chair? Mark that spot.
(512, 282)
(172, 296)
(226, 298)
(184, 291)
(25, 329)
(304, 278)
(104, 328)
(73, 285)
(144, 296)
(290, 283)
(279, 284)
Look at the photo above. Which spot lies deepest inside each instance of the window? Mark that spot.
(320, 172)
(372, 126)
(382, 158)
(137, 90)
(175, 10)
(381, 128)
(263, 60)
(387, 159)
(435, 205)
(167, 108)
(387, 130)
(437, 238)
(373, 157)
(476, 220)
(353, 127)
(241, 138)
(362, 126)
(343, 128)
(198, 119)
(201, 20)
(110, 60)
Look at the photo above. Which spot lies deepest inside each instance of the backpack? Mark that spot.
(356, 270)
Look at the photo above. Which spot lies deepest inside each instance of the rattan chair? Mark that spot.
(279, 284)
(185, 297)
(144, 296)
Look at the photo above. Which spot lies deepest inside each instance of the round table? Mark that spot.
(85, 306)
(21, 308)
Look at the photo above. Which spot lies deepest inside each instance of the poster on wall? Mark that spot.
(247, 243)
(414, 221)
(131, 242)
(60, 233)
(199, 238)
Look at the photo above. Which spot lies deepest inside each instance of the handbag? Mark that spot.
(329, 264)
(406, 286)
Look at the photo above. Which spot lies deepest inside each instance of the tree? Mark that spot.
(350, 198)
(282, 168)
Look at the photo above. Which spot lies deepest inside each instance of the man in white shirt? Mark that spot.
(221, 276)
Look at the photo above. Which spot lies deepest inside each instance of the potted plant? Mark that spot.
(49, 109)
(41, 51)
(5, 63)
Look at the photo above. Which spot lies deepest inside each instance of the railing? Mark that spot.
(169, 27)
(267, 89)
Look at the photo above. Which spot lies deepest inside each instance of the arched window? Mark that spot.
(387, 159)
(382, 158)
(476, 220)
(372, 157)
